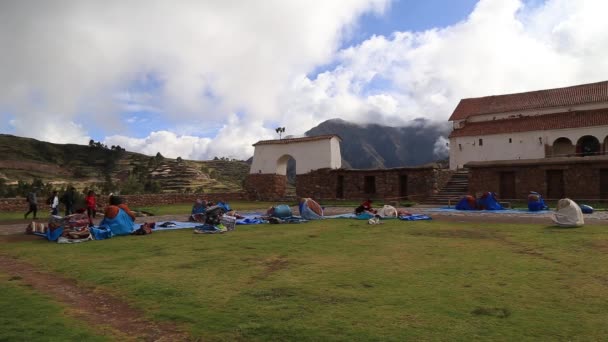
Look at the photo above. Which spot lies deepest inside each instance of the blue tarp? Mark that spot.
(502, 211)
(415, 217)
(464, 204)
(51, 235)
(536, 202)
(586, 209)
(488, 202)
(281, 211)
(307, 213)
(174, 225)
(224, 206)
(122, 224)
(101, 232)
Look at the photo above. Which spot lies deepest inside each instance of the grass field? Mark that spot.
(30, 316)
(343, 280)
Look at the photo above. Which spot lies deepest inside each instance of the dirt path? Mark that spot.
(105, 314)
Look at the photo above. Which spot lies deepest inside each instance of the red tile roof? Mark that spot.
(292, 140)
(558, 97)
(535, 123)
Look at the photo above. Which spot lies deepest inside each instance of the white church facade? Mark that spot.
(562, 122)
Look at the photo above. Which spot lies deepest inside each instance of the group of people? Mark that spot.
(68, 199)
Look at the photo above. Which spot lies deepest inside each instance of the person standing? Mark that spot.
(33, 204)
(54, 203)
(91, 203)
(68, 201)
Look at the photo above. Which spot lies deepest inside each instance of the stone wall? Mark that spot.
(270, 187)
(19, 204)
(581, 177)
(324, 183)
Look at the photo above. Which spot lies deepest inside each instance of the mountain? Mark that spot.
(25, 159)
(377, 146)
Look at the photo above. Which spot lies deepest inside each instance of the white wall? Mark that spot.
(309, 155)
(524, 145)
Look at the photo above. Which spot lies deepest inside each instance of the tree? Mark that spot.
(179, 159)
(280, 130)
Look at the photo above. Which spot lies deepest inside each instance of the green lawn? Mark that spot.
(345, 280)
(30, 316)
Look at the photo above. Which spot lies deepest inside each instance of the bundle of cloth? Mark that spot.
(118, 220)
(201, 206)
(309, 209)
(215, 221)
(536, 202)
(69, 229)
(282, 214)
(488, 201)
(387, 211)
(568, 214)
(467, 202)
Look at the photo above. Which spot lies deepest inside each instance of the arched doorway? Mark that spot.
(286, 165)
(605, 145)
(588, 146)
(282, 163)
(562, 147)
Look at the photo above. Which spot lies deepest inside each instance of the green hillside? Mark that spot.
(25, 159)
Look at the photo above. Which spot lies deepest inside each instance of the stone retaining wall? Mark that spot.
(269, 187)
(582, 177)
(400, 183)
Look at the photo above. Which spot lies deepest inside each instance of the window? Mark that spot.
(510, 140)
(480, 142)
(460, 147)
(369, 184)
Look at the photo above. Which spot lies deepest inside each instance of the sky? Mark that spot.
(199, 79)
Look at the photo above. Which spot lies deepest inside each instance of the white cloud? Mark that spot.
(200, 59)
(501, 47)
(441, 149)
(167, 143)
(208, 60)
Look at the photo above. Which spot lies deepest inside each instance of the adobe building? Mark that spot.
(319, 173)
(552, 141)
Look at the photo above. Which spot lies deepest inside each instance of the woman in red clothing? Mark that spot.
(91, 203)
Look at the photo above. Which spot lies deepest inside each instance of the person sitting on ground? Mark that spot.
(116, 204)
(118, 217)
(365, 206)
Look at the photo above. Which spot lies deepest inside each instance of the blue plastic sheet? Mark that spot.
(503, 211)
(122, 224)
(51, 236)
(415, 217)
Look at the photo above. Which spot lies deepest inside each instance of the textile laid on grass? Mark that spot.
(568, 214)
(536, 202)
(310, 210)
(483, 212)
(415, 217)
